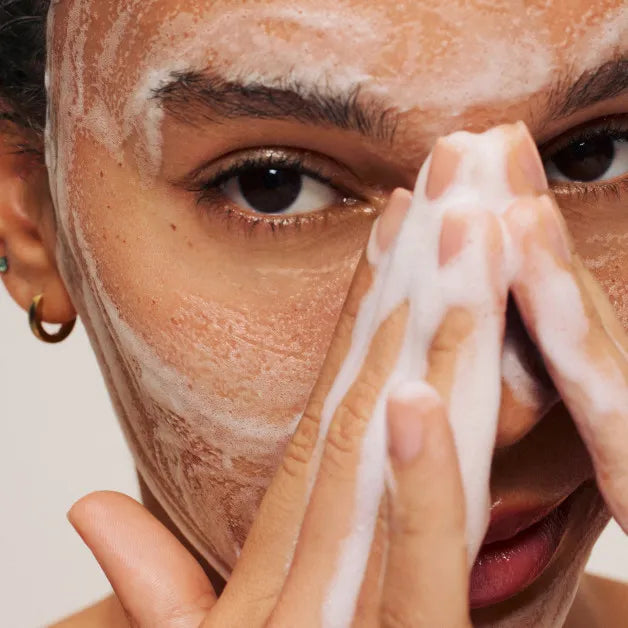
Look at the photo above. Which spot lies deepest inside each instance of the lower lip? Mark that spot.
(505, 568)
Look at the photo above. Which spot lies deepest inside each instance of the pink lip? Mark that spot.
(507, 522)
(518, 547)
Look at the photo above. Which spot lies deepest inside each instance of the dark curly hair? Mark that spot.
(22, 62)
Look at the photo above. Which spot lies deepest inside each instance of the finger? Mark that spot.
(584, 354)
(464, 359)
(157, 581)
(426, 582)
(332, 554)
(370, 598)
(267, 554)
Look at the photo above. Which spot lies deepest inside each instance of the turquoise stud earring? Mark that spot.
(4, 265)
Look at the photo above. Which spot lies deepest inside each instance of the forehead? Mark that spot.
(427, 54)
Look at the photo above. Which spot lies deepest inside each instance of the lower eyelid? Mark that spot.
(216, 209)
(609, 191)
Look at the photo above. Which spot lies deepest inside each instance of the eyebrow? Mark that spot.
(193, 96)
(607, 81)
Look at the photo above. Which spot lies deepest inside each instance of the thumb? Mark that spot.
(158, 582)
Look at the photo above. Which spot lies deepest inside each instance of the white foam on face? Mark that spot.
(233, 436)
(335, 45)
(235, 42)
(608, 36)
(218, 422)
(613, 244)
(110, 118)
(511, 60)
(611, 252)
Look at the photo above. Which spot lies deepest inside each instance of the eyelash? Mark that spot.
(208, 190)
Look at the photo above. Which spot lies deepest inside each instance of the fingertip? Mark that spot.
(402, 195)
(417, 391)
(96, 506)
(151, 572)
(410, 405)
(389, 223)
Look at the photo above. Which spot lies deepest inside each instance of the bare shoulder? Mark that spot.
(600, 602)
(105, 614)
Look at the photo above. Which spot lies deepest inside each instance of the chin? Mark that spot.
(544, 599)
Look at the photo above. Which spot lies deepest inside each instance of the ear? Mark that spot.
(27, 227)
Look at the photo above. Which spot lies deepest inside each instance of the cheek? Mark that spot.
(244, 322)
(606, 256)
(210, 347)
(603, 247)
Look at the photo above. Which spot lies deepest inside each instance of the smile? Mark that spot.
(517, 549)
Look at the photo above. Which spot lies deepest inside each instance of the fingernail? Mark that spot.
(390, 221)
(526, 172)
(555, 229)
(443, 167)
(408, 404)
(453, 237)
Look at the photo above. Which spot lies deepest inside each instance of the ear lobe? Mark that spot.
(27, 234)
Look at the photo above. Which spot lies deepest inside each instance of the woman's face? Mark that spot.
(216, 167)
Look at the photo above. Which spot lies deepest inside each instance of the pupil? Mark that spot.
(270, 191)
(588, 160)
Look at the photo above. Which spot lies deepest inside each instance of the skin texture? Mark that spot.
(207, 373)
(421, 527)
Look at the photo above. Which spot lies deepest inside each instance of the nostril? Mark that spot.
(527, 389)
(527, 351)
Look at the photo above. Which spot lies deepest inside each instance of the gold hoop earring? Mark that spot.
(34, 319)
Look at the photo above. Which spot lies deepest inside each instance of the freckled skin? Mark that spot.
(243, 322)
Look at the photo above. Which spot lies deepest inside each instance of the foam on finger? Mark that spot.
(451, 251)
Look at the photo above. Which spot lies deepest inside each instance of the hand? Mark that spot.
(584, 346)
(160, 584)
(288, 572)
(309, 559)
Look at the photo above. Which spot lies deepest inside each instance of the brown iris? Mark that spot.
(587, 160)
(270, 190)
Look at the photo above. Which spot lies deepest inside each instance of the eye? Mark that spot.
(596, 155)
(278, 190)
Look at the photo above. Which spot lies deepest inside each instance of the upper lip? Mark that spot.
(507, 520)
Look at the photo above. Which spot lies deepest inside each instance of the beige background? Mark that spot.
(60, 440)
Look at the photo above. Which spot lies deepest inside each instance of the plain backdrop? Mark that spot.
(60, 440)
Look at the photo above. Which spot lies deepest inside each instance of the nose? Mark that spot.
(527, 389)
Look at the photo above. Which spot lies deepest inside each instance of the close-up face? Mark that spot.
(216, 167)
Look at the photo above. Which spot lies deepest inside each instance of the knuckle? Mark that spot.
(361, 399)
(341, 448)
(391, 617)
(418, 521)
(408, 526)
(456, 328)
(350, 420)
(299, 450)
(186, 614)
